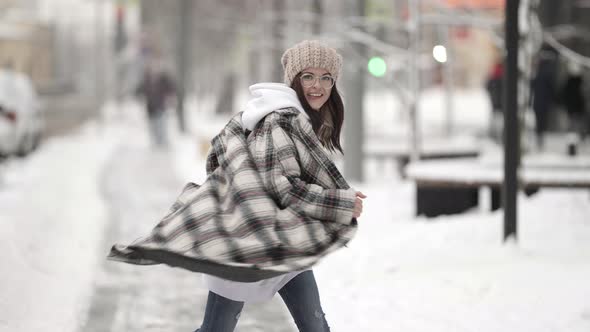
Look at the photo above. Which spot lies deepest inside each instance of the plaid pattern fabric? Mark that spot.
(273, 202)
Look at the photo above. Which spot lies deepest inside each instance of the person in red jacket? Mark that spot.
(494, 86)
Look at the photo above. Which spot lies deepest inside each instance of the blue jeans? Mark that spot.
(300, 295)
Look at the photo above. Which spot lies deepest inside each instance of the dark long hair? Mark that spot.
(327, 122)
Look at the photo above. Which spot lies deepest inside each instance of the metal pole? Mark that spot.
(278, 28)
(318, 12)
(511, 127)
(448, 82)
(354, 95)
(98, 56)
(182, 63)
(414, 76)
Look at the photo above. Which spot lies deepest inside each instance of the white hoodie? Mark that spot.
(266, 98)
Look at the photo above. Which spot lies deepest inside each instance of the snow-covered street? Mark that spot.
(138, 184)
(63, 207)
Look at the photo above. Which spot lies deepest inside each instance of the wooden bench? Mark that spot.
(452, 186)
(397, 151)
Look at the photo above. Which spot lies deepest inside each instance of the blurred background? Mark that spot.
(80, 55)
(84, 163)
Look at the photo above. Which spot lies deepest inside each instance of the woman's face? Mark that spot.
(317, 85)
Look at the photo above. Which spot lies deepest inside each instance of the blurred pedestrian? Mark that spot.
(157, 88)
(573, 98)
(494, 86)
(273, 204)
(543, 90)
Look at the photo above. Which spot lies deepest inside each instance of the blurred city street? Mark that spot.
(137, 184)
(104, 183)
(466, 123)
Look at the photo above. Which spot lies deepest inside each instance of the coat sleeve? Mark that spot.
(282, 174)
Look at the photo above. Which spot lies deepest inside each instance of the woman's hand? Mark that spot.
(358, 204)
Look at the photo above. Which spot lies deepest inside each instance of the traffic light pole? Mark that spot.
(414, 77)
(447, 72)
(355, 87)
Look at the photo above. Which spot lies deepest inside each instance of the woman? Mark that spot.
(273, 203)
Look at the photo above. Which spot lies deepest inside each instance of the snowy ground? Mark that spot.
(60, 208)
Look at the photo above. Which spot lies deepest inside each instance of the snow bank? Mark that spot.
(52, 218)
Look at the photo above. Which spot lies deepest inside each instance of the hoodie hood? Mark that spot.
(266, 98)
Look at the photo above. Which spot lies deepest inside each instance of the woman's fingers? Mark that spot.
(358, 204)
(358, 208)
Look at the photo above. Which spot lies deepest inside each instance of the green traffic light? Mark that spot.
(377, 66)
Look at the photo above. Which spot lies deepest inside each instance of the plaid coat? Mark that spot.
(273, 202)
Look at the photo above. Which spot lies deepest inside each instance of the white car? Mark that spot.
(21, 121)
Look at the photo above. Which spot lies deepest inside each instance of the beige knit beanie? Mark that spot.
(310, 54)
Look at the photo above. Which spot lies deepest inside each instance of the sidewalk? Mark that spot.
(63, 207)
(65, 112)
(139, 185)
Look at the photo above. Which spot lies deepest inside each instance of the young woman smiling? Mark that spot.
(273, 204)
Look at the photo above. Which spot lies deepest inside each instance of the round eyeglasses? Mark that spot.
(308, 80)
